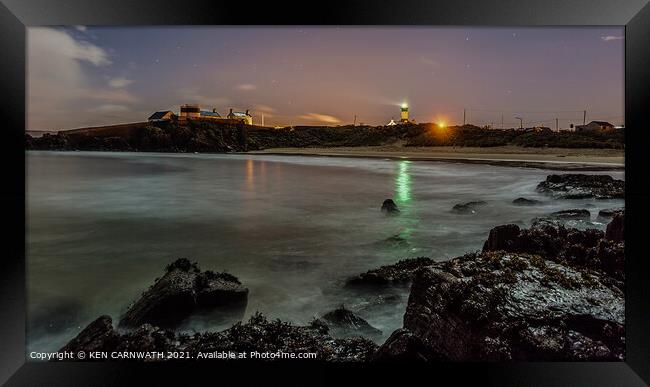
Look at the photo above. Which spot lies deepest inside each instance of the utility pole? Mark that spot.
(464, 116)
(355, 120)
(557, 127)
(501, 120)
(584, 117)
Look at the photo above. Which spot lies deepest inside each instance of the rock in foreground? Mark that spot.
(258, 335)
(499, 306)
(577, 248)
(182, 290)
(616, 228)
(580, 186)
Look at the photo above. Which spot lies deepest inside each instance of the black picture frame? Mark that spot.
(16, 15)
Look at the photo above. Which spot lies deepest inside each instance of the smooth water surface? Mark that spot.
(102, 226)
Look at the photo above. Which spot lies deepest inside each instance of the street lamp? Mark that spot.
(521, 122)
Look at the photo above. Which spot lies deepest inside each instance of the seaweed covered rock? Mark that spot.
(182, 290)
(509, 306)
(389, 207)
(342, 322)
(578, 248)
(610, 212)
(571, 214)
(398, 273)
(581, 186)
(258, 335)
(468, 208)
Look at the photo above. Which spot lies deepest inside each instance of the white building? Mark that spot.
(244, 116)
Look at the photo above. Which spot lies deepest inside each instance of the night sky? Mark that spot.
(85, 76)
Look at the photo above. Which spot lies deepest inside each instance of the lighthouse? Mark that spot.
(404, 113)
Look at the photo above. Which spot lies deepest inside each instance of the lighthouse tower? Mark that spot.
(404, 113)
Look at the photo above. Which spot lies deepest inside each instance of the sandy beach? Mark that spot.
(549, 158)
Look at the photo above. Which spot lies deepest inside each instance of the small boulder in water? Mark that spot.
(389, 207)
(468, 208)
(571, 214)
(525, 202)
(610, 212)
(342, 322)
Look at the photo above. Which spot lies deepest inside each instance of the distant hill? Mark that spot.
(233, 136)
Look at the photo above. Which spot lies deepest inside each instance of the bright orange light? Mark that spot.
(442, 124)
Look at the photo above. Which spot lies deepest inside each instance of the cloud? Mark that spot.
(60, 87)
(246, 87)
(320, 118)
(609, 38)
(120, 82)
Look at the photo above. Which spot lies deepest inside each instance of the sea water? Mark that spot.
(102, 226)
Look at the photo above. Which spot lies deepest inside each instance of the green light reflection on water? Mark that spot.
(403, 198)
(403, 183)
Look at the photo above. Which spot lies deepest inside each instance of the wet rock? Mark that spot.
(468, 208)
(499, 306)
(615, 228)
(584, 249)
(389, 207)
(525, 202)
(97, 336)
(398, 273)
(610, 212)
(580, 186)
(342, 322)
(502, 237)
(182, 290)
(571, 214)
(257, 335)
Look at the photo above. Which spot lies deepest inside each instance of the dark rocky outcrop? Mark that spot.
(182, 290)
(580, 186)
(616, 228)
(571, 214)
(610, 212)
(389, 207)
(525, 202)
(499, 306)
(258, 334)
(468, 208)
(584, 249)
(342, 322)
(398, 273)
